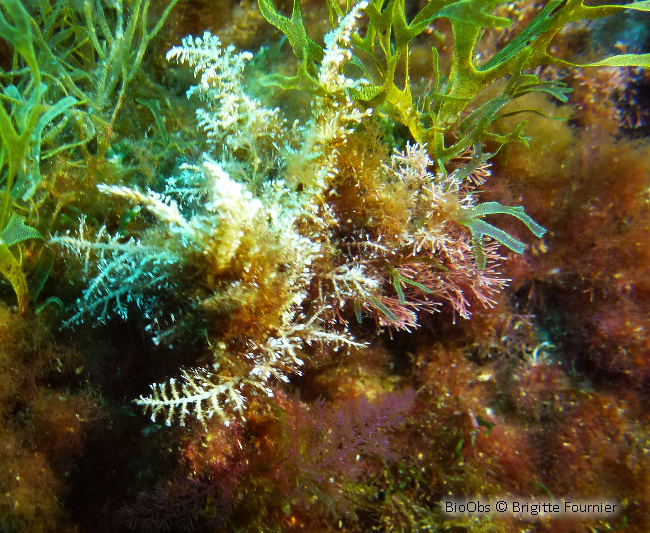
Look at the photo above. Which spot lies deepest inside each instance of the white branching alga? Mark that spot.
(251, 234)
(337, 53)
(231, 118)
(122, 275)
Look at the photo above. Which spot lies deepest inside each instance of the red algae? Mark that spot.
(343, 363)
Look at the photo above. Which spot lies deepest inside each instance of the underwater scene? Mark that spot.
(324, 266)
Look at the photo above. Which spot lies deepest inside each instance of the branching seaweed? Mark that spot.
(384, 51)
